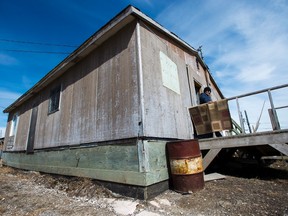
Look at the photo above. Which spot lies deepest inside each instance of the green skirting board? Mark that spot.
(140, 165)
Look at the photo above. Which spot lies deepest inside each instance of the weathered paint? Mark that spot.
(114, 162)
(165, 110)
(186, 166)
(101, 99)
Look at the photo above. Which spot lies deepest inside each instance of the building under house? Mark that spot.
(108, 109)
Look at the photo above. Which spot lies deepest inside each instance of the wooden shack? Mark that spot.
(108, 109)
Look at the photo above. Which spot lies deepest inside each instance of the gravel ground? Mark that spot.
(246, 190)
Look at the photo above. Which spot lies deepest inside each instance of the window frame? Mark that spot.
(14, 125)
(54, 99)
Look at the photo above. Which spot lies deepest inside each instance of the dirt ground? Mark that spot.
(247, 190)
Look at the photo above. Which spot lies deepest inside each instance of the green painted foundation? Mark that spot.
(139, 166)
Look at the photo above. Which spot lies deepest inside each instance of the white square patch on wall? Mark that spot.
(169, 73)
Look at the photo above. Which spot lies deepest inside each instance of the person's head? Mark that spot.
(207, 90)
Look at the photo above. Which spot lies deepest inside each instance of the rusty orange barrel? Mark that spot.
(186, 166)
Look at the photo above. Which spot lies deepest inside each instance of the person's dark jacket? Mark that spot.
(204, 98)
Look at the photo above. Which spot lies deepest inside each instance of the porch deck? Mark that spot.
(277, 139)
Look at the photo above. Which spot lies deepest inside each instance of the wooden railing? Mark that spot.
(272, 111)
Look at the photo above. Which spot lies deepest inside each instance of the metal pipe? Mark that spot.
(282, 107)
(257, 92)
(140, 79)
(187, 70)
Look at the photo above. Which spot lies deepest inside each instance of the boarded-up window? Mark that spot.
(169, 73)
(54, 99)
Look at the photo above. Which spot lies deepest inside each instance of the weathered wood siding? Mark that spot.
(166, 112)
(100, 96)
(99, 99)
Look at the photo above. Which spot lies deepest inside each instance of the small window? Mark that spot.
(54, 99)
(14, 124)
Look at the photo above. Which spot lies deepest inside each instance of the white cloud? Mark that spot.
(7, 60)
(9, 95)
(245, 44)
(247, 74)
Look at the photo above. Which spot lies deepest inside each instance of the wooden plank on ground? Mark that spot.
(213, 176)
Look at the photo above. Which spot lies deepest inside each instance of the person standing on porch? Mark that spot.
(205, 97)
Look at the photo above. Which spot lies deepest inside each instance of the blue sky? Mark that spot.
(244, 42)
